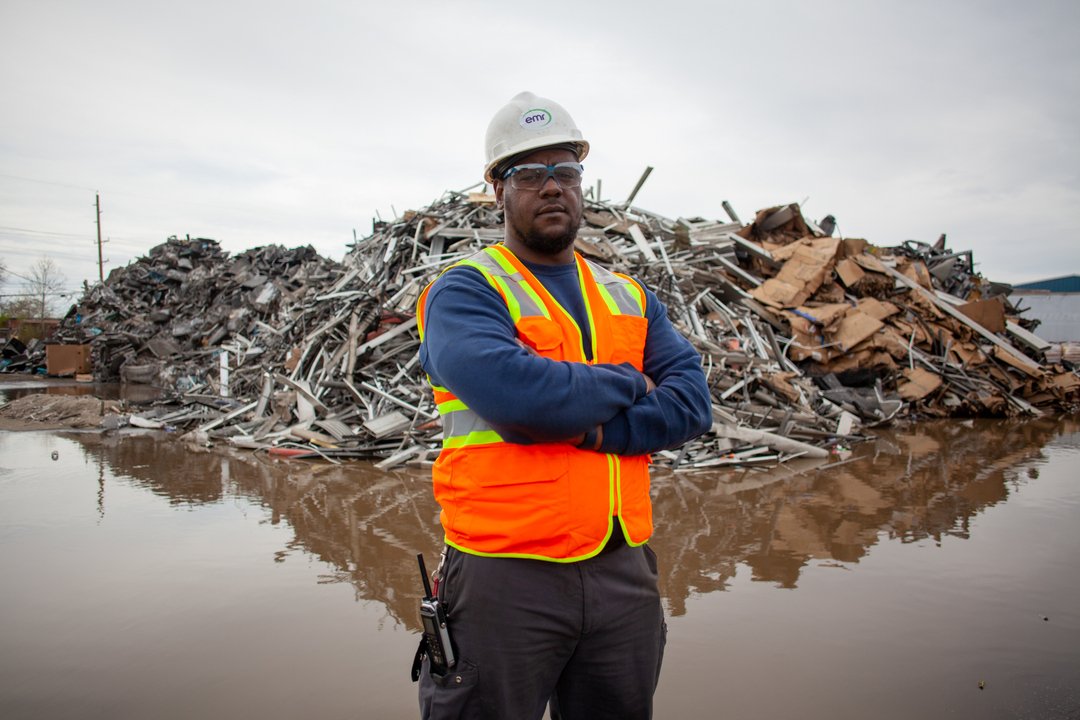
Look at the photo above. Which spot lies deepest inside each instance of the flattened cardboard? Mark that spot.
(853, 246)
(1065, 381)
(780, 383)
(888, 340)
(861, 360)
(855, 327)
(775, 293)
(906, 329)
(967, 354)
(988, 313)
(1029, 367)
(823, 316)
(877, 308)
(915, 270)
(849, 272)
(868, 262)
(918, 384)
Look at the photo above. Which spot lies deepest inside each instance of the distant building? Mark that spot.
(1055, 303)
(1064, 284)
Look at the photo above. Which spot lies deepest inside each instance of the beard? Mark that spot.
(547, 243)
(543, 240)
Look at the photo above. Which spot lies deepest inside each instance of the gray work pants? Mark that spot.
(587, 635)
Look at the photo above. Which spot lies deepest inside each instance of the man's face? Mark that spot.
(542, 222)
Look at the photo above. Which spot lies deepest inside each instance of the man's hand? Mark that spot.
(579, 439)
(527, 348)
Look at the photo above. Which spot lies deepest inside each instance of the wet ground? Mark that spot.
(933, 575)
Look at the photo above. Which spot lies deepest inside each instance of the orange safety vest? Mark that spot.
(547, 501)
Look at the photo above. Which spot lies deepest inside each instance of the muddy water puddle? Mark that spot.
(935, 574)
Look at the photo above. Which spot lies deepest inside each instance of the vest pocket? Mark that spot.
(541, 334)
(493, 466)
(628, 334)
(509, 498)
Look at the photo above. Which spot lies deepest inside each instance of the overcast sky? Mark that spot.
(296, 123)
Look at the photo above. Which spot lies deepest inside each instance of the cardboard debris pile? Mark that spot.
(915, 318)
(806, 338)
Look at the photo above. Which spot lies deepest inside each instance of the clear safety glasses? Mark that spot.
(532, 176)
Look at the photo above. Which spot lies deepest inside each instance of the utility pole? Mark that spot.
(100, 262)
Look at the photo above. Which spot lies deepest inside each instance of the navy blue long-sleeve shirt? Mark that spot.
(470, 347)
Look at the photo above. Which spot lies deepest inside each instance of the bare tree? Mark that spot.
(44, 283)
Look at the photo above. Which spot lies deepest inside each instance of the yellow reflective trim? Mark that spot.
(498, 257)
(617, 469)
(477, 437)
(614, 487)
(451, 406)
(588, 310)
(511, 302)
(608, 299)
(635, 292)
(626, 535)
(524, 284)
(529, 556)
(484, 270)
(472, 263)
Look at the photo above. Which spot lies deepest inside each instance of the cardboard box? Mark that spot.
(67, 359)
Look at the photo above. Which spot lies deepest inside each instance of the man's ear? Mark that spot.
(498, 185)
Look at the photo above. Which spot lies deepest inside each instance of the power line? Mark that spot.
(172, 201)
(39, 252)
(42, 232)
(45, 182)
(21, 277)
(57, 293)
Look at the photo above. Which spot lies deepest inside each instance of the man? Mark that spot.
(555, 379)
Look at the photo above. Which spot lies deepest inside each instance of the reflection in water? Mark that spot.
(924, 481)
(366, 523)
(144, 578)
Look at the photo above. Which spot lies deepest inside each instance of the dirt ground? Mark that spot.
(42, 411)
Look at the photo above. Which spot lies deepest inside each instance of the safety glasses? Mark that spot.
(532, 176)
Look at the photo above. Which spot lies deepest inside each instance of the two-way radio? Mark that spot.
(436, 640)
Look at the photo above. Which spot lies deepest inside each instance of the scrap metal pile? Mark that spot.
(165, 318)
(806, 338)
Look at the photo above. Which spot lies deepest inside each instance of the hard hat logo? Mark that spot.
(529, 122)
(535, 119)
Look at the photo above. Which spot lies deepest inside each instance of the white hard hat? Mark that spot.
(529, 122)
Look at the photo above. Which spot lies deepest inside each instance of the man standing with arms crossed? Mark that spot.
(554, 379)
